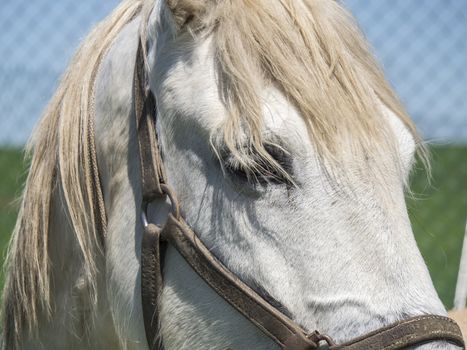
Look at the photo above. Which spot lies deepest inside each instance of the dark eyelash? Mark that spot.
(281, 156)
(265, 173)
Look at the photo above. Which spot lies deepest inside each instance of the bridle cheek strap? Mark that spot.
(144, 105)
(151, 283)
(285, 332)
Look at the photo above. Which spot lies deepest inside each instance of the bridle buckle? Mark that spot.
(317, 338)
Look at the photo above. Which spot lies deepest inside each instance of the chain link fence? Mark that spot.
(37, 39)
(421, 44)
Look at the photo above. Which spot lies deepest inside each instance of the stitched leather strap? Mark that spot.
(414, 331)
(152, 180)
(151, 284)
(152, 175)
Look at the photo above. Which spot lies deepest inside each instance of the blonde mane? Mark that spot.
(61, 164)
(312, 51)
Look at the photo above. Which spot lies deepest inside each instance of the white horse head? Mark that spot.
(288, 152)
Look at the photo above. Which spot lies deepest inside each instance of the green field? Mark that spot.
(438, 214)
(13, 173)
(438, 211)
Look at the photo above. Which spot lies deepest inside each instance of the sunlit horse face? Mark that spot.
(336, 253)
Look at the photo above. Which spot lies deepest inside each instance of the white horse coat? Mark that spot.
(336, 252)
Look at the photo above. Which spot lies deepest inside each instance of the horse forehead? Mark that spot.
(189, 86)
(192, 88)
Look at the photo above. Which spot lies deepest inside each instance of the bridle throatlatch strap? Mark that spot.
(286, 333)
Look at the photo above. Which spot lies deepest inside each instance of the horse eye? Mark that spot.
(263, 173)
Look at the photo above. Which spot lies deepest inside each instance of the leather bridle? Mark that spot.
(286, 333)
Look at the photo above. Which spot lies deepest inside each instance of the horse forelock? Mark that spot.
(314, 53)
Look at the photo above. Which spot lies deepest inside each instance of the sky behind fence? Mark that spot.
(421, 45)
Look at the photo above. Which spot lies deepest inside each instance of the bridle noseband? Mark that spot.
(286, 333)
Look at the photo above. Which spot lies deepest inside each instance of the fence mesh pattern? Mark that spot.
(422, 47)
(37, 39)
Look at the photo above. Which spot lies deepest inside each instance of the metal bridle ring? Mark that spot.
(167, 193)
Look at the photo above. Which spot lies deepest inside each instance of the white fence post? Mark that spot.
(461, 286)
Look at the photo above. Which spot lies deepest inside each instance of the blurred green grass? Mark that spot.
(12, 176)
(438, 211)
